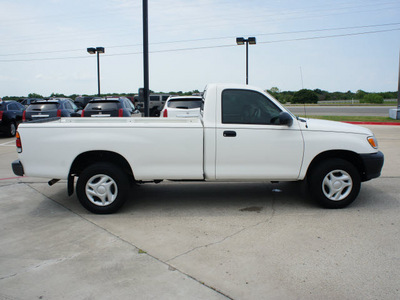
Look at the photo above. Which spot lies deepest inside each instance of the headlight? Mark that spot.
(373, 142)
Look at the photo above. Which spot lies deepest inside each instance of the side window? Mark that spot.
(67, 105)
(74, 107)
(12, 106)
(20, 106)
(154, 98)
(248, 107)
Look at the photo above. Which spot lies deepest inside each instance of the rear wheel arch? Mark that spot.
(86, 159)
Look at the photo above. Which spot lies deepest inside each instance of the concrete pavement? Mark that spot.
(202, 240)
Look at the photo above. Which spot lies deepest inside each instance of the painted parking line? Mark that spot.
(10, 178)
(8, 144)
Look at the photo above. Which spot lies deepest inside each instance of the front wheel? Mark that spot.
(102, 188)
(334, 183)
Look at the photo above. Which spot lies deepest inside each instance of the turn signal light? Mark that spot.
(373, 142)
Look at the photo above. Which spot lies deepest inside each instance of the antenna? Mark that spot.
(302, 87)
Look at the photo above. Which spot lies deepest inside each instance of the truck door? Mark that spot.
(250, 142)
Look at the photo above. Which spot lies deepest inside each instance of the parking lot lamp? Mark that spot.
(97, 50)
(242, 41)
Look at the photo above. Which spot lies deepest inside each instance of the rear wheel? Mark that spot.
(102, 188)
(12, 129)
(334, 183)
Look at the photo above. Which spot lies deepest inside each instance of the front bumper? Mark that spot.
(17, 167)
(373, 164)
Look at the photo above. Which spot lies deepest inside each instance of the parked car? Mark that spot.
(82, 101)
(187, 106)
(156, 103)
(110, 107)
(10, 116)
(29, 101)
(57, 107)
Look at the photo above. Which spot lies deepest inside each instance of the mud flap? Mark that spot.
(70, 184)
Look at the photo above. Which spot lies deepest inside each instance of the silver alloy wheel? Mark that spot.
(101, 190)
(337, 185)
(13, 129)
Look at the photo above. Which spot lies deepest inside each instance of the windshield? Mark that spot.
(43, 107)
(102, 106)
(184, 104)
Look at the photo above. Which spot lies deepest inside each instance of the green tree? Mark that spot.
(360, 94)
(372, 98)
(34, 95)
(56, 95)
(305, 96)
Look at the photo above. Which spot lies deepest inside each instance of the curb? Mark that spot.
(373, 123)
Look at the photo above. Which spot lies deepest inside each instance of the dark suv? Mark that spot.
(82, 101)
(110, 107)
(10, 116)
(29, 101)
(59, 107)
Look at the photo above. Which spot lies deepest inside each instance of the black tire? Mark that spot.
(102, 188)
(12, 129)
(334, 183)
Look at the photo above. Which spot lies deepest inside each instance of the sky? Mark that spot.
(333, 45)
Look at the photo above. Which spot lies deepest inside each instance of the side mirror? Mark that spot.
(285, 119)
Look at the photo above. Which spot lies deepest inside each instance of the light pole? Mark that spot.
(97, 50)
(146, 89)
(242, 41)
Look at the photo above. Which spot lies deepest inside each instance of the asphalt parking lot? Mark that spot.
(201, 240)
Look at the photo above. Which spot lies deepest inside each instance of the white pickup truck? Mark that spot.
(243, 134)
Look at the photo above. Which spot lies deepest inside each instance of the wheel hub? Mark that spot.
(337, 185)
(101, 190)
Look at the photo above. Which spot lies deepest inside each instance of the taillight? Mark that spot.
(120, 112)
(165, 113)
(18, 142)
(1, 115)
(83, 113)
(59, 113)
(24, 116)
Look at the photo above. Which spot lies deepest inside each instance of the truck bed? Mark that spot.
(155, 148)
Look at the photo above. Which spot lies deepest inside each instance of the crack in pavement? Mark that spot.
(229, 236)
(139, 251)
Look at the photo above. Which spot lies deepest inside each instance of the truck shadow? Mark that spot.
(252, 197)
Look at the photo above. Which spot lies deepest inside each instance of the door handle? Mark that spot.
(229, 133)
